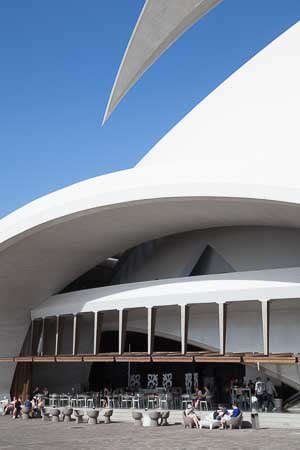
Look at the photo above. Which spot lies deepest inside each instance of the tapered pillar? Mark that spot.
(31, 339)
(151, 329)
(222, 327)
(123, 314)
(75, 336)
(40, 346)
(56, 335)
(98, 322)
(265, 312)
(43, 337)
(184, 319)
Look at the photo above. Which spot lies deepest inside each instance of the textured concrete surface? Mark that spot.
(35, 435)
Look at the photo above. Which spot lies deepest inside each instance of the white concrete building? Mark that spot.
(205, 254)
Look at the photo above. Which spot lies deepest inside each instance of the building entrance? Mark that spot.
(182, 377)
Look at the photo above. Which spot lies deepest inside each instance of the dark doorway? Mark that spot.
(215, 376)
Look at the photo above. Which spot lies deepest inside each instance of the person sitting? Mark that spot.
(106, 393)
(230, 415)
(9, 407)
(17, 407)
(190, 412)
(28, 404)
(198, 397)
(220, 412)
(35, 401)
(40, 405)
(45, 392)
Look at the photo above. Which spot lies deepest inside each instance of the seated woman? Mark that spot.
(41, 404)
(106, 393)
(235, 413)
(17, 402)
(8, 407)
(190, 412)
(198, 397)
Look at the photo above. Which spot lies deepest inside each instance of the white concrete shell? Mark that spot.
(161, 22)
(235, 163)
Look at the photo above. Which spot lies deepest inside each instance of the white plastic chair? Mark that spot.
(203, 405)
(137, 400)
(185, 400)
(152, 402)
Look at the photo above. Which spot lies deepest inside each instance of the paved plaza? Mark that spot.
(36, 434)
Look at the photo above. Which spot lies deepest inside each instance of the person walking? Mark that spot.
(270, 392)
(260, 393)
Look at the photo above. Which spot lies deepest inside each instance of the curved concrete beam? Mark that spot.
(204, 289)
(161, 23)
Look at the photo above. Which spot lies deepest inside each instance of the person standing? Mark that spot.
(260, 392)
(208, 396)
(270, 392)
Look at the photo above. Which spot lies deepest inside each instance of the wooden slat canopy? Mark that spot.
(175, 357)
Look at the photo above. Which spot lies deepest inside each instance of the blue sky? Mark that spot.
(58, 63)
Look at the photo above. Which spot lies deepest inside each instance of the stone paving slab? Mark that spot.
(36, 435)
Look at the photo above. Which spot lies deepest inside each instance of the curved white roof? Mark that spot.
(161, 22)
(247, 130)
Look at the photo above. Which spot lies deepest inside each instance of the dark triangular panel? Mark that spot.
(211, 262)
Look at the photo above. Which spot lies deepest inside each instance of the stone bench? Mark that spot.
(107, 415)
(55, 413)
(25, 412)
(67, 413)
(45, 416)
(209, 424)
(92, 415)
(78, 416)
(137, 417)
(154, 416)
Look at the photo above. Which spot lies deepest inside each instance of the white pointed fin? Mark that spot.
(161, 23)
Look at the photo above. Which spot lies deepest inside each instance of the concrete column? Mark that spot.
(265, 313)
(42, 336)
(98, 321)
(56, 335)
(222, 327)
(151, 329)
(123, 314)
(75, 337)
(184, 319)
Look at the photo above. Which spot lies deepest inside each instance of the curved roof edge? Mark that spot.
(159, 25)
(238, 286)
(139, 186)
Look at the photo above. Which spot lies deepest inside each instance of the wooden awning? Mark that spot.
(157, 357)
